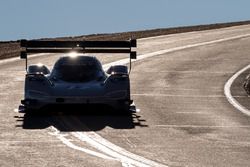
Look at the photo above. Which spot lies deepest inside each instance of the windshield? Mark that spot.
(79, 69)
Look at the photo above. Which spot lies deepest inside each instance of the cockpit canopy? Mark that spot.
(77, 69)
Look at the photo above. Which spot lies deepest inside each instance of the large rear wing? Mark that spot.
(32, 46)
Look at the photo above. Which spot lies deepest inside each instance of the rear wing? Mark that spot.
(32, 46)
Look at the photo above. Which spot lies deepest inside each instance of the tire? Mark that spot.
(30, 111)
(125, 109)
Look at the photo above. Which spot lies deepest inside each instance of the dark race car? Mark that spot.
(76, 80)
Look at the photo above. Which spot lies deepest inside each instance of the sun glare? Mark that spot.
(73, 54)
(39, 64)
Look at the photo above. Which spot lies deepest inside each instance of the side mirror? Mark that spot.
(117, 70)
(109, 71)
(38, 68)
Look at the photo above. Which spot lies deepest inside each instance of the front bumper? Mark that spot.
(112, 102)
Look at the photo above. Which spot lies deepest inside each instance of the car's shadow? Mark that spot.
(75, 118)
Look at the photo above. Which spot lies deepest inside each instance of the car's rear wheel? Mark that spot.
(124, 108)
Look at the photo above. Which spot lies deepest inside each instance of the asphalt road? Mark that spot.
(184, 119)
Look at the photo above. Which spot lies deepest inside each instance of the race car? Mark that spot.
(77, 79)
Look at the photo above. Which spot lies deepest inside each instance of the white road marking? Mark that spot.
(127, 158)
(123, 155)
(67, 142)
(140, 57)
(230, 98)
(195, 32)
(111, 151)
(114, 151)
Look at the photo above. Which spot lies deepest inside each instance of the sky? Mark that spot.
(33, 19)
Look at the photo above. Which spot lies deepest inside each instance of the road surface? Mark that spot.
(184, 119)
